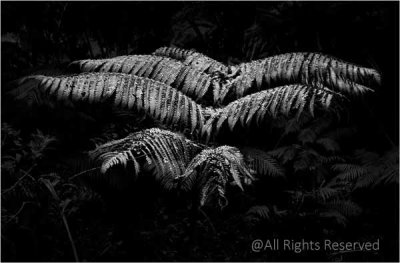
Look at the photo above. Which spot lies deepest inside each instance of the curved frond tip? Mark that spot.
(212, 169)
(166, 151)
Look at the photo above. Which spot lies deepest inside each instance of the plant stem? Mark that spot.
(19, 211)
(83, 172)
(71, 240)
(19, 180)
(208, 220)
(53, 192)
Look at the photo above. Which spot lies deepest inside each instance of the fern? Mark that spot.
(194, 59)
(237, 81)
(335, 215)
(171, 107)
(258, 212)
(174, 157)
(155, 99)
(286, 153)
(340, 211)
(346, 207)
(206, 64)
(349, 172)
(326, 193)
(174, 52)
(390, 165)
(190, 81)
(262, 162)
(305, 68)
(328, 144)
(212, 169)
(168, 152)
(290, 68)
(273, 102)
(369, 169)
(378, 170)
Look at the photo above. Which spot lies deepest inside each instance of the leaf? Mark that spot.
(309, 69)
(126, 91)
(212, 169)
(168, 152)
(267, 102)
(262, 162)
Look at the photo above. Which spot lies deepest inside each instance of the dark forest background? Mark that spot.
(43, 147)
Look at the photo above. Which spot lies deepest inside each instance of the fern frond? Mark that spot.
(307, 135)
(190, 81)
(335, 215)
(174, 52)
(192, 58)
(378, 169)
(168, 152)
(349, 172)
(206, 64)
(293, 125)
(390, 163)
(258, 212)
(328, 144)
(390, 175)
(306, 68)
(27, 89)
(278, 101)
(171, 107)
(331, 159)
(262, 162)
(326, 193)
(345, 207)
(212, 169)
(306, 159)
(155, 99)
(286, 153)
(184, 70)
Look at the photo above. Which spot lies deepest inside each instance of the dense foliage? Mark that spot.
(324, 176)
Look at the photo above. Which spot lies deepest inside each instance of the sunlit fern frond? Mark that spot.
(206, 64)
(212, 169)
(192, 58)
(168, 152)
(262, 162)
(305, 68)
(155, 99)
(169, 106)
(188, 80)
(174, 52)
(278, 101)
(185, 70)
